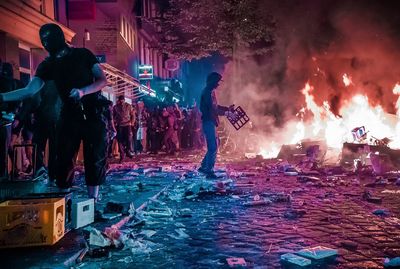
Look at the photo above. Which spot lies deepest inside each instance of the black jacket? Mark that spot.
(210, 110)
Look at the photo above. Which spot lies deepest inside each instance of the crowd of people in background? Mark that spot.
(138, 129)
(133, 129)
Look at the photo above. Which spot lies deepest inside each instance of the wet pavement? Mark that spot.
(254, 212)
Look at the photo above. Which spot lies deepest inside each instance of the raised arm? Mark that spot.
(29, 90)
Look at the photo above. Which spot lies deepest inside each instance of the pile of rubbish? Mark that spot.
(136, 227)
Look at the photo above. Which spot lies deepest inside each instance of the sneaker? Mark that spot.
(51, 183)
(202, 170)
(64, 189)
(42, 171)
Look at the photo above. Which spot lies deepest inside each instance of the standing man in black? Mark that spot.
(210, 110)
(79, 80)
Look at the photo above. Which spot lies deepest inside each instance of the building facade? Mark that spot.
(20, 21)
(119, 32)
(168, 82)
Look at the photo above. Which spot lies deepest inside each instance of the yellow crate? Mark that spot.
(31, 222)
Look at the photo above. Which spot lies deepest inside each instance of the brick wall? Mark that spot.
(103, 35)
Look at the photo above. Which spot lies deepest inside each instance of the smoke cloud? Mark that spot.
(316, 41)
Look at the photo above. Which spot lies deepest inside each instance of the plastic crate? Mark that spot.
(31, 222)
(82, 212)
(238, 118)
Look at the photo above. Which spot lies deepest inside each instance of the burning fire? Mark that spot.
(336, 130)
(347, 80)
(269, 154)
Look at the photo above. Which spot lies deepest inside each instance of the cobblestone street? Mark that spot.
(253, 212)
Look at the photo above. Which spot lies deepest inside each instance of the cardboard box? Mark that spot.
(82, 212)
(31, 222)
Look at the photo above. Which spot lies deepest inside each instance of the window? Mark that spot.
(145, 8)
(153, 10)
(127, 32)
(25, 63)
(123, 32)
(24, 58)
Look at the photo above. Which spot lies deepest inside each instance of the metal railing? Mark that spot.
(119, 82)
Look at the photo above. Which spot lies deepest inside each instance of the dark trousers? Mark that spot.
(93, 133)
(110, 146)
(209, 159)
(185, 138)
(138, 146)
(160, 138)
(5, 140)
(124, 138)
(45, 130)
(153, 142)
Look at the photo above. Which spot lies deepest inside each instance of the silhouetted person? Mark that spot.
(79, 80)
(7, 84)
(124, 118)
(210, 110)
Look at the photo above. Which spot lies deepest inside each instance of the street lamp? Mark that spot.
(86, 36)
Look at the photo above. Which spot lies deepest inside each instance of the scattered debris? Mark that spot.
(282, 198)
(148, 233)
(113, 207)
(99, 252)
(291, 259)
(96, 238)
(392, 263)
(318, 253)
(258, 202)
(368, 196)
(127, 259)
(381, 212)
(294, 214)
(349, 245)
(306, 179)
(110, 216)
(391, 191)
(236, 262)
(140, 246)
(180, 234)
(76, 258)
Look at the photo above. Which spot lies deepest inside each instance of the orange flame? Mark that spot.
(347, 80)
(335, 130)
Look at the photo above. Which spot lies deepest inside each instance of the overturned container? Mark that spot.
(31, 222)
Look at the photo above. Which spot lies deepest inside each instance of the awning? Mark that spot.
(120, 83)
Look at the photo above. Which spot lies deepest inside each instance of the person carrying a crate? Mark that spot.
(210, 110)
(79, 80)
